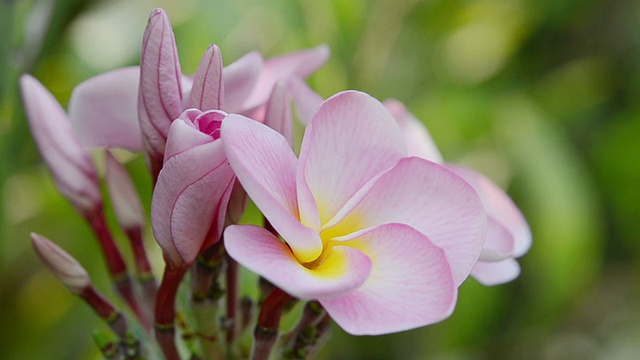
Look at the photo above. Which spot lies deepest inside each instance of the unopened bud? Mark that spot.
(61, 264)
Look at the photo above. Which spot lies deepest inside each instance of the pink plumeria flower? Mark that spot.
(508, 234)
(194, 186)
(380, 239)
(68, 160)
(133, 107)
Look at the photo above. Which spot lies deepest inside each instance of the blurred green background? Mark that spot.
(540, 95)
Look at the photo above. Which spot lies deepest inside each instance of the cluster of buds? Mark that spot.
(367, 224)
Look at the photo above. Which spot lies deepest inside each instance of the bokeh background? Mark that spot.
(540, 95)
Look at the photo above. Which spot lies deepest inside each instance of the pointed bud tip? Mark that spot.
(61, 264)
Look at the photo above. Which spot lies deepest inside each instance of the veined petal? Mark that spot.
(207, 92)
(419, 141)
(298, 64)
(500, 207)
(160, 94)
(188, 194)
(266, 166)
(61, 264)
(499, 242)
(263, 253)
(350, 140)
(496, 273)
(433, 200)
(278, 112)
(306, 100)
(410, 285)
(125, 201)
(184, 135)
(103, 110)
(68, 160)
(239, 79)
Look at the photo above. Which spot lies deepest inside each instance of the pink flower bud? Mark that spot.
(124, 197)
(61, 264)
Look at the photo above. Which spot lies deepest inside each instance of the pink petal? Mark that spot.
(160, 94)
(299, 64)
(306, 100)
(103, 110)
(125, 201)
(184, 135)
(263, 253)
(278, 112)
(265, 166)
(350, 140)
(188, 200)
(61, 264)
(496, 273)
(207, 92)
(499, 242)
(433, 200)
(419, 141)
(239, 79)
(237, 203)
(66, 157)
(499, 207)
(410, 285)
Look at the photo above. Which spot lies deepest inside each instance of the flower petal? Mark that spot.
(184, 135)
(297, 64)
(500, 207)
(263, 253)
(278, 112)
(419, 141)
(160, 94)
(207, 92)
(103, 110)
(410, 285)
(68, 160)
(266, 165)
(496, 273)
(306, 100)
(125, 201)
(433, 200)
(350, 139)
(187, 200)
(239, 79)
(499, 242)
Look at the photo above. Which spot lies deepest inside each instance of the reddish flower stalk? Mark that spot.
(115, 263)
(143, 267)
(105, 310)
(266, 330)
(232, 297)
(165, 311)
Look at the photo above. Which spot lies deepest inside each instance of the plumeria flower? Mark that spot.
(380, 239)
(193, 189)
(508, 234)
(134, 107)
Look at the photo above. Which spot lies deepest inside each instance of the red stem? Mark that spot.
(232, 297)
(105, 310)
(165, 311)
(272, 309)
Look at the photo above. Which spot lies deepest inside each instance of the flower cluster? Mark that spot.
(367, 223)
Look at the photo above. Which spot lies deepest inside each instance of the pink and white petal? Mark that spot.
(263, 253)
(199, 212)
(160, 93)
(498, 244)
(305, 99)
(499, 206)
(125, 201)
(432, 199)
(349, 140)
(496, 273)
(298, 64)
(183, 135)
(103, 110)
(265, 166)
(239, 79)
(418, 139)
(68, 160)
(411, 284)
(180, 172)
(207, 92)
(278, 112)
